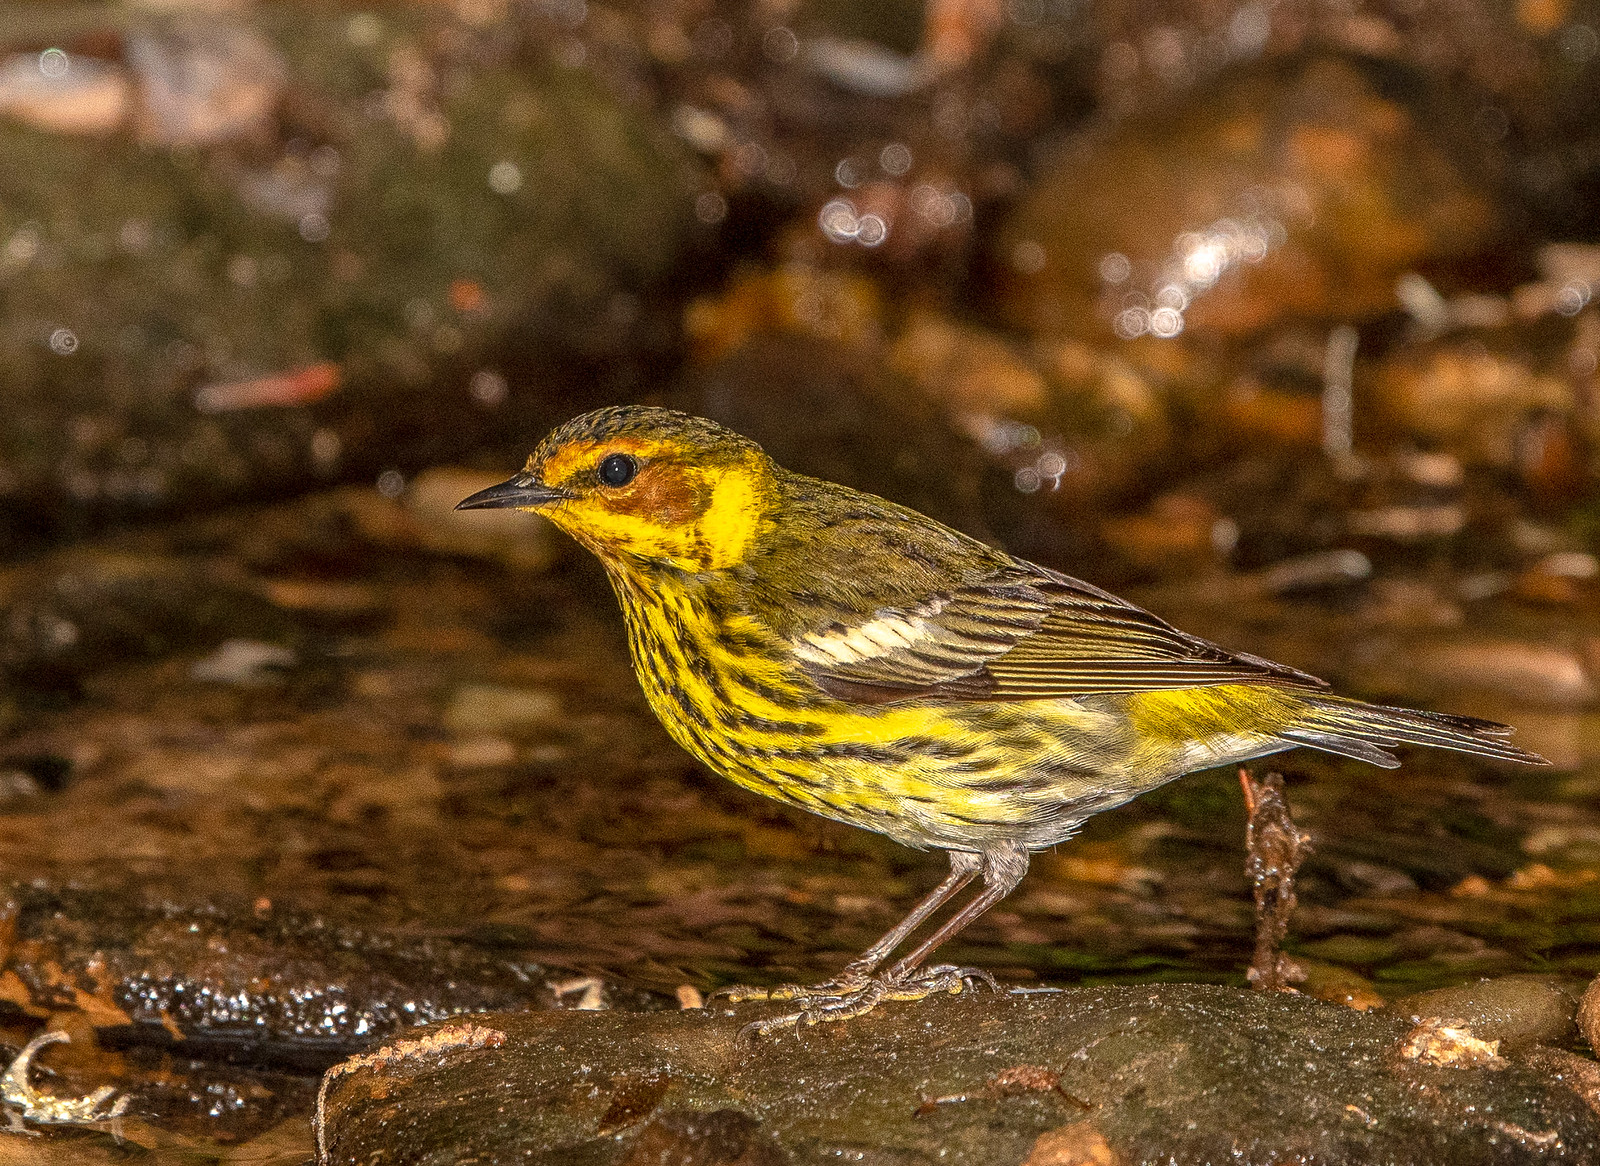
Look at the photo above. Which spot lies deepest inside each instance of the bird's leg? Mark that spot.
(964, 867)
(1003, 869)
(907, 979)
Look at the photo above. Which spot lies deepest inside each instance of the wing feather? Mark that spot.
(1022, 633)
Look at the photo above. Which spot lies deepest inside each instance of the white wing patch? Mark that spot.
(887, 632)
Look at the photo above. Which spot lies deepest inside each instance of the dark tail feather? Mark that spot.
(1367, 732)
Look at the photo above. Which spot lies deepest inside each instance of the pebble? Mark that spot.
(482, 753)
(1338, 985)
(244, 663)
(1449, 1046)
(1408, 523)
(1469, 397)
(1537, 673)
(89, 97)
(1516, 1012)
(487, 710)
(1314, 572)
(864, 67)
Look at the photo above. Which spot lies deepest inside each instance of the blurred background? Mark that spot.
(1274, 315)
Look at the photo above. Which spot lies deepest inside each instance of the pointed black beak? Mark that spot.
(523, 492)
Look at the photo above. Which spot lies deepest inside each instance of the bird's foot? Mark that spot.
(821, 1005)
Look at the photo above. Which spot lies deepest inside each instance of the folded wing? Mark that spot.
(1022, 633)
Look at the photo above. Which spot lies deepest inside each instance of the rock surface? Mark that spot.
(1180, 1073)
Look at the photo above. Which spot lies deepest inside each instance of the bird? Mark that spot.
(857, 659)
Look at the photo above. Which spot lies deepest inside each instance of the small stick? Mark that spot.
(1275, 848)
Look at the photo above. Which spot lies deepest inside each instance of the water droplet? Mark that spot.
(781, 169)
(1570, 300)
(242, 270)
(933, 205)
(1115, 267)
(53, 63)
(895, 159)
(1051, 464)
(63, 342)
(711, 208)
(325, 162)
(1028, 257)
(505, 177)
(488, 388)
(326, 450)
(839, 221)
(1131, 322)
(750, 159)
(871, 230)
(780, 45)
(363, 30)
(1166, 323)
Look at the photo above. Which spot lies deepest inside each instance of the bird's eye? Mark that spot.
(618, 469)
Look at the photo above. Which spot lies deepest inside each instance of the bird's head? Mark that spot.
(644, 485)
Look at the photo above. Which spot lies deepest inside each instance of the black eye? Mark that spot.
(618, 469)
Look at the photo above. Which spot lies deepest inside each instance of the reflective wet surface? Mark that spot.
(1279, 320)
(442, 791)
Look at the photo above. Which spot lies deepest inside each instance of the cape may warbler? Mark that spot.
(857, 659)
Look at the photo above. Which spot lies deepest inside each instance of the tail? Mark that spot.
(1352, 728)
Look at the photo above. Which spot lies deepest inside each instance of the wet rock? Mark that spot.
(1338, 985)
(1589, 1014)
(204, 82)
(267, 986)
(972, 372)
(1408, 523)
(1580, 1074)
(1183, 1073)
(1300, 191)
(721, 1137)
(1317, 571)
(1078, 1144)
(1518, 1012)
(1178, 530)
(799, 298)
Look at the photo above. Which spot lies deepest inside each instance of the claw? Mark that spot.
(966, 977)
(834, 1001)
(46, 1108)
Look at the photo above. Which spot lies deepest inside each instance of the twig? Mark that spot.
(1275, 848)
